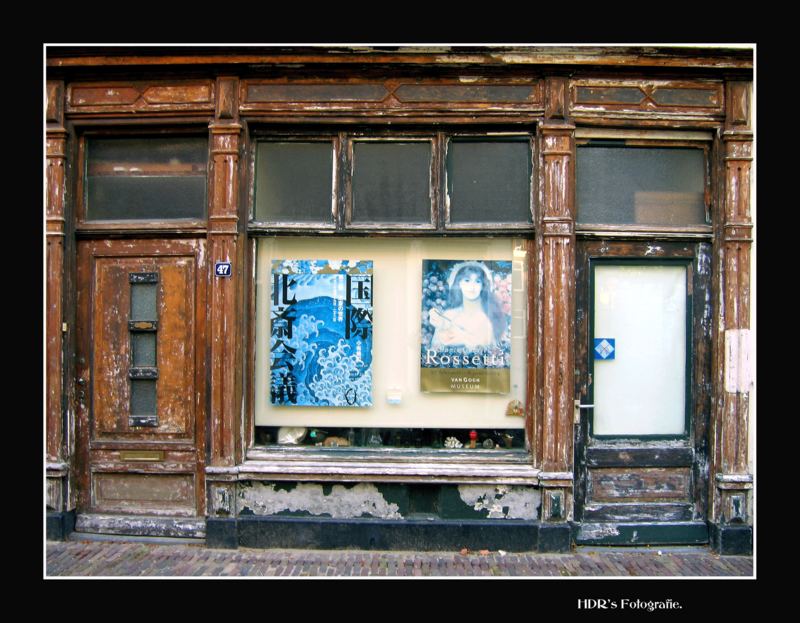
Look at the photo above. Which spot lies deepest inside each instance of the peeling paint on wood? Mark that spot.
(340, 502)
(502, 502)
(146, 526)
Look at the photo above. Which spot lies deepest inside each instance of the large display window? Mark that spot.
(391, 342)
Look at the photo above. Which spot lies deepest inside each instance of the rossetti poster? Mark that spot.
(466, 326)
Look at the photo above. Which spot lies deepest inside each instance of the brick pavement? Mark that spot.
(84, 558)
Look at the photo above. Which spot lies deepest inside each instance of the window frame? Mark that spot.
(88, 132)
(445, 464)
(342, 176)
(666, 139)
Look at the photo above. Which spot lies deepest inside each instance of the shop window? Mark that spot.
(401, 340)
(145, 178)
(488, 176)
(391, 182)
(294, 182)
(639, 183)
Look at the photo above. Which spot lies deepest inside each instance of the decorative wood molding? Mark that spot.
(555, 286)
(556, 105)
(732, 300)
(721, 58)
(140, 97)
(56, 142)
(227, 107)
(54, 112)
(637, 97)
(225, 300)
(335, 97)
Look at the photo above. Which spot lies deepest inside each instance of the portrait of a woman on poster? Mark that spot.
(472, 318)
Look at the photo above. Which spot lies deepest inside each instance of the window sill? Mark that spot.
(476, 466)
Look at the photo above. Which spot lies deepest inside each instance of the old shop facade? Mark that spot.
(585, 212)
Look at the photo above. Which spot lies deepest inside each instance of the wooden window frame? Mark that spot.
(343, 142)
(513, 467)
(84, 225)
(702, 140)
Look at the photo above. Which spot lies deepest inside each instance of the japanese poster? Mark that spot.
(466, 326)
(321, 333)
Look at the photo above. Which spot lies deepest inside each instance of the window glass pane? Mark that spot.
(294, 182)
(399, 412)
(143, 301)
(640, 388)
(143, 397)
(143, 345)
(650, 186)
(146, 178)
(391, 182)
(489, 181)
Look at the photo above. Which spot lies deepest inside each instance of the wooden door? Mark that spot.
(140, 393)
(642, 391)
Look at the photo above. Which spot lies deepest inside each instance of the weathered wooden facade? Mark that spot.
(155, 422)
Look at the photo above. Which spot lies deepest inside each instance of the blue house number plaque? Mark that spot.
(222, 269)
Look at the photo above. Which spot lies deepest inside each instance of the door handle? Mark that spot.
(578, 407)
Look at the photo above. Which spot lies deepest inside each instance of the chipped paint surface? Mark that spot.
(598, 531)
(502, 502)
(340, 502)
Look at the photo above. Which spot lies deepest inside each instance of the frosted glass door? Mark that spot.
(640, 387)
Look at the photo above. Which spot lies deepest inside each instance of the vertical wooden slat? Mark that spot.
(732, 297)
(556, 291)
(56, 162)
(224, 319)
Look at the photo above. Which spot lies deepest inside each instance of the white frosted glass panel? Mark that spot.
(642, 390)
(397, 304)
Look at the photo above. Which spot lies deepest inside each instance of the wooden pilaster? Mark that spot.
(56, 138)
(555, 237)
(731, 475)
(225, 305)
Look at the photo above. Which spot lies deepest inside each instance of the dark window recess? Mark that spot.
(143, 327)
(453, 439)
(391, 182)
(489, 181)
(293, 182)
(640, 185)
(146, 178)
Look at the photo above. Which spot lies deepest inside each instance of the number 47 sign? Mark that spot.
(222, 269)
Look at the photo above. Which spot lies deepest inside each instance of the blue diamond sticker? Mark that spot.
(604, 347)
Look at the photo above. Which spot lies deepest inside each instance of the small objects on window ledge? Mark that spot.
(507, 439)
(336, 442)
(452, 442)
(473, 437)
(488, 443)
(374, 438)
(291, 435)
(515, 409)
(317, 436)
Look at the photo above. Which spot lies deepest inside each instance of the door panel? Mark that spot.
(641, 436)
(111, 349)
(141, 318)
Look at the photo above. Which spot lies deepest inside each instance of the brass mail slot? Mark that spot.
(141, 455)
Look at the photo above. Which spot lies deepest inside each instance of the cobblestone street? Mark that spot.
(125, 559)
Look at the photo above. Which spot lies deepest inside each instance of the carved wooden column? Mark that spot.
(225, 311)
(57, 454)
(555, 237)
(731, 479)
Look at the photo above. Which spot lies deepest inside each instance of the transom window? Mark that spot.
(412, 180)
